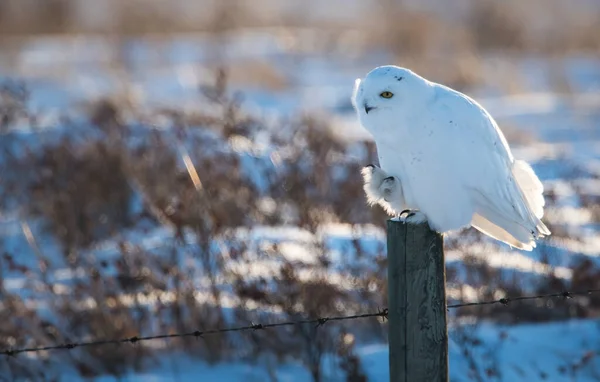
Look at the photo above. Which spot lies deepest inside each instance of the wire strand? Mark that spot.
(383, 313)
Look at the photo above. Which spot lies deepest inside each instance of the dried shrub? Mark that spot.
(13, 103)
(80, 190)
(402, 30)
(496, 26)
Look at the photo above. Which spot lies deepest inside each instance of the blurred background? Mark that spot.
(182, 165)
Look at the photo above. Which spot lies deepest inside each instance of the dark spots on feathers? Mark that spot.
(398, 78)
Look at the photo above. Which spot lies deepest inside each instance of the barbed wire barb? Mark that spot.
(318, 322)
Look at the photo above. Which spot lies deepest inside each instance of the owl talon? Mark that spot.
(407, 212)
(415, 217)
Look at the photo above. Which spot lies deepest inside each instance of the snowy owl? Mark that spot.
(443, 157)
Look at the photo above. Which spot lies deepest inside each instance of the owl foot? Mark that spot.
(388, 187)
(378, 185)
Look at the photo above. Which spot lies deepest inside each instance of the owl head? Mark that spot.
(387, 94)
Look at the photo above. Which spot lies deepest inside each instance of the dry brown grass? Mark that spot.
(445, 46)
(485, 25)
(496, 26)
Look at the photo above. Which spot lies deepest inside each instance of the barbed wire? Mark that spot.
(507, 300)
(381, 313)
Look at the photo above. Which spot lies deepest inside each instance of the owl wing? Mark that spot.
(507, 195)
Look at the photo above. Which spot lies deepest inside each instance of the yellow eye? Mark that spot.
(386, 94)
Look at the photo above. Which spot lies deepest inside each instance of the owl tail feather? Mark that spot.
(491, 225)
(532, 190)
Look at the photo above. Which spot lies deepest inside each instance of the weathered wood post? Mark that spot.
(418, 334)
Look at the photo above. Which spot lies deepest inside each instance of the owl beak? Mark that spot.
(368, 108)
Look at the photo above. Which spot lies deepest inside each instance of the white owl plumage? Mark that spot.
(443, 155)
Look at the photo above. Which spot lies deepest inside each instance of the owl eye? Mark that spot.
(386, 94)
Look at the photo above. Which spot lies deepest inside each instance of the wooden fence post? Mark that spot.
(418, 333)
